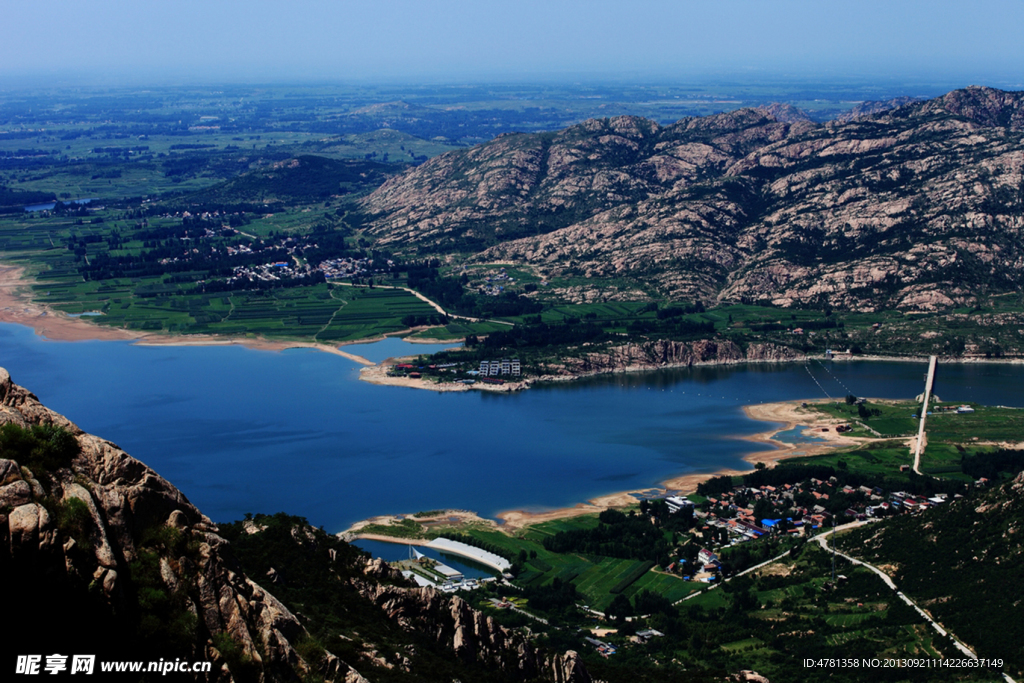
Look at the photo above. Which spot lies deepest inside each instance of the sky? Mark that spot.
(458, 40)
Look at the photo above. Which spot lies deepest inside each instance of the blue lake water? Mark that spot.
(241, 430)
(393, 347)
(796, 436)
(49, 205)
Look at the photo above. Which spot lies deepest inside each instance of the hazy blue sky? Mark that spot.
(411, 40)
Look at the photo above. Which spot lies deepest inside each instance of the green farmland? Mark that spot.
(323, 313)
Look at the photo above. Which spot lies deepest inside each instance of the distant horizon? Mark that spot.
(112, 43)
(923, 85)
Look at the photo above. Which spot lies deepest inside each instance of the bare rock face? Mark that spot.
(786, 113)
(666, 353)
(906, 205)
(119, 504)
(472, 636)
(871, 108)
(747, 676)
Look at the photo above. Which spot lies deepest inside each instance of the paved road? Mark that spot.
(822, 540)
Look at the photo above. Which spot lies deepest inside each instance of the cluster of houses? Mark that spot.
(492, 285)
(350, 267)
(270, 272)
(728, 518)
(706, 568)
(331, 268)
(334, 268)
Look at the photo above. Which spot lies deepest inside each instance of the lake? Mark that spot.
(49, 205)
(241, 430)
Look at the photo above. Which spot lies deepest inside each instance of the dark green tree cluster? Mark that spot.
(616, 535)
(41, 448)
(992, 465)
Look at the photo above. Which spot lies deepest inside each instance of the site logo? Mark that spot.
(35, 665)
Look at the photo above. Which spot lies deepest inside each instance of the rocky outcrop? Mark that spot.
(783, 112)
(472, 636)
(666, 354)
(915, 207)
(88, 528)
(872, 107)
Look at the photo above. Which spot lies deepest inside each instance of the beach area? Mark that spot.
(789, 414)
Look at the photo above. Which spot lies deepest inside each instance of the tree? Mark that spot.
(620, 608)
(763, 510)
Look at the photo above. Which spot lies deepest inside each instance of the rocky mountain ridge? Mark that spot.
(471, 635)
(916, 208)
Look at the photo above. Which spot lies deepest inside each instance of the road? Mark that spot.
(436, 306)
(822, 540)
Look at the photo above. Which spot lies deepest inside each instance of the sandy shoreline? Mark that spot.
(789, 413)
(16, 306)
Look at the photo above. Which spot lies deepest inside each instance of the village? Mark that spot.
(748, 513)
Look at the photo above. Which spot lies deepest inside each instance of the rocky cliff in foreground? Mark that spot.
(100, 555)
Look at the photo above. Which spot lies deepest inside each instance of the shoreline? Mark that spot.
(17, 307)
(787, 414)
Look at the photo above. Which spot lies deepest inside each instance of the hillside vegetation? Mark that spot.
(963, 564)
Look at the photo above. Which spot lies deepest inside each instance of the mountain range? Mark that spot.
(915, 208)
